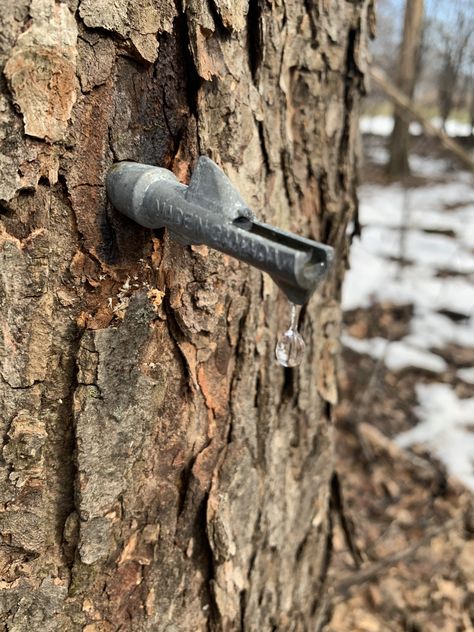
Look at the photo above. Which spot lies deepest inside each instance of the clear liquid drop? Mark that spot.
(289, 350)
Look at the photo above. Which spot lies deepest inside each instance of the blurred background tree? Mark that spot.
(453, 52)
(408, 70)
(404, 442)
(442, 68)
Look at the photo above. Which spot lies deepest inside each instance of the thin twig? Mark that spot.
(372, 571)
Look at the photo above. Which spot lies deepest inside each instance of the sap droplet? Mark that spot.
(290, 347)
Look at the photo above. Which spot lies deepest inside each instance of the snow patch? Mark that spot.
(374, 276)
(396, 355)
(445, 428)
(399, 225)
(467, 375)
(382, 125)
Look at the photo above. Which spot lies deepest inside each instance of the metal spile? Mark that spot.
(210, 211)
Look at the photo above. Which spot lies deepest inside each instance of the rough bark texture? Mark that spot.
(159, 470)
(407, 71)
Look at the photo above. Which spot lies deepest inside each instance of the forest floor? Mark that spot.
(403, 556)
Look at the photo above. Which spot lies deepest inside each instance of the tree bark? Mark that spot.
(398, 165)
(159, 470)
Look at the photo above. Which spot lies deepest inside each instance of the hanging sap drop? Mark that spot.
(290, 347)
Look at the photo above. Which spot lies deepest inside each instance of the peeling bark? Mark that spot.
(41, 70)
(159, 470)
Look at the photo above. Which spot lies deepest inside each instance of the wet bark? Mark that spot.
(159, 470)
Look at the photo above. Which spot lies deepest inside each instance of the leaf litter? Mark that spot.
(405, 421)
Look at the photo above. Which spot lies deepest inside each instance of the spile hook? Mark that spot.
(210, 211)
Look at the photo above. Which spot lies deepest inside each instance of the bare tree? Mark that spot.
(160, 471)
(454, 51)
(398, 165)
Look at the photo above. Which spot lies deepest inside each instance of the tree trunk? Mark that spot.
(471, 107)
(398, 165)
(160, 471)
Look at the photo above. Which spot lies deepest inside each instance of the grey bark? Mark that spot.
(159, 470)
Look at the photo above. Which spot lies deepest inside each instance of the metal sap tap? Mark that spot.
(210, 211)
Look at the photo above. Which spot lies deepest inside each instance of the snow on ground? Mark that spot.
(434, 167)
(426, 207)
(396, 355)
(446, 424)
(431, 229)
(375, 275)
(467, 375)
(382, 125)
